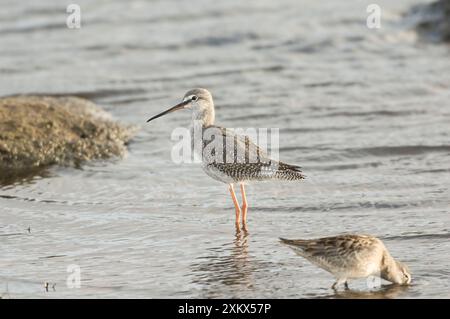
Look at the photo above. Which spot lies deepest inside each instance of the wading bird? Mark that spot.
(238, 160)
(351, 257)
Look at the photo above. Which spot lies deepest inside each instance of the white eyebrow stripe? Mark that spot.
(188, 97)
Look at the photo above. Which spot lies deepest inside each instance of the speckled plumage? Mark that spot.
(240, 159)
(243, 172)
(225, 155)
(351, 256)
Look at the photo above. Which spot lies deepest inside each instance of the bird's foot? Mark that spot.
(339, 282)
(244, 227)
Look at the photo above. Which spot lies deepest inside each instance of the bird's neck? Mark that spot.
(204, 115)
(389, 268)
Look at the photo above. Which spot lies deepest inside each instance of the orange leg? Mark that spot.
(236, 204)
(244, 205)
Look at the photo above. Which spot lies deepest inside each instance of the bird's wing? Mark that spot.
(242, 159)
(239, 147)
(333, 252)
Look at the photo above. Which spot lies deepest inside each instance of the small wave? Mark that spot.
(374, 113)
(316, 46)
(48, 201)
(303, 148)
(252, 117)
(215, 41)
(13, 234)
(378, 151)
(29, 199)
(438, 170)
(399, 150)
(35, 28)
(354, 208)
(52, 256)
(50, 10)
(333, 83)
(102, 93)
(320, 129)
(97, 47)
(418, 236)
(345, 166)
(8, 71)
(89, 95)
(199, 75)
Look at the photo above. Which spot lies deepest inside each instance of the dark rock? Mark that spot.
(432, 21)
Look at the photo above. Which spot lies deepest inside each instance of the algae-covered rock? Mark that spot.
(37, 131)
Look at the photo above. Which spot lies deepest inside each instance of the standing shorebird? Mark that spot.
(237, 160)
(351, 257)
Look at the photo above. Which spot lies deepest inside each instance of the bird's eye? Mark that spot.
(407, 276)
(194, 98)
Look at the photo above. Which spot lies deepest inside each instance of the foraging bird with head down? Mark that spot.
(238, 160)
(351, 257)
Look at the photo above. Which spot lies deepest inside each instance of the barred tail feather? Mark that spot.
(289, 172)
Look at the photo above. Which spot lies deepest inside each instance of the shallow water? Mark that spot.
(364, 112)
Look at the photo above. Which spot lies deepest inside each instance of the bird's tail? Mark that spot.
(289, 172)
(287, 241)
(294, 243)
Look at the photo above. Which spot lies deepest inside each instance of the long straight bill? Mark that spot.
(177, 107)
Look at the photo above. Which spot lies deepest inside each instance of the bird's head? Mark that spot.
(199, 100)
(397, 273)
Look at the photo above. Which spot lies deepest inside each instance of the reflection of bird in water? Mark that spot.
(385, 292)
(233, 270)
(350, 257)
(236, 160)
